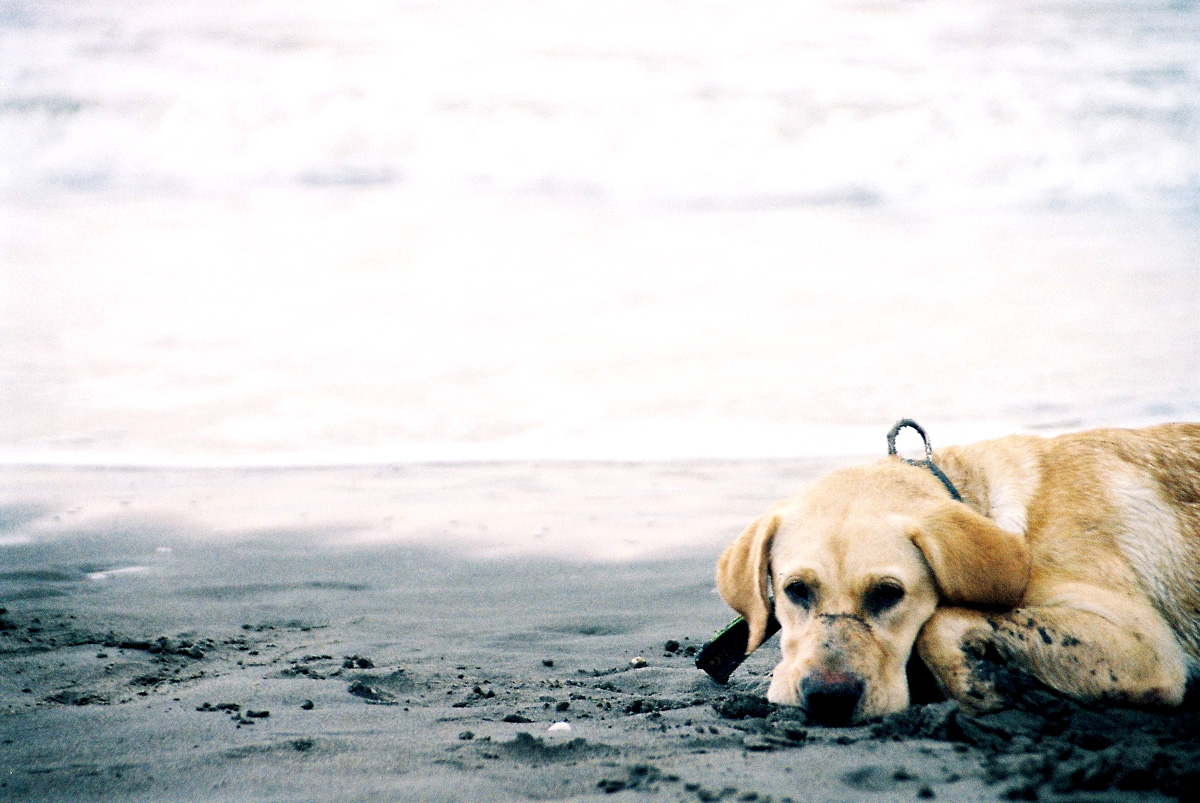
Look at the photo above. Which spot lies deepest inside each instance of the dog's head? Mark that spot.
(858, 563)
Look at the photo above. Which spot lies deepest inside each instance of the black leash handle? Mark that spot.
(928, 461)
(908, 423)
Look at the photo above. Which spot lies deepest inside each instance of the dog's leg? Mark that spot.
(1127, 655)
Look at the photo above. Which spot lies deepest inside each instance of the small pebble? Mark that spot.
(560, 727)
(638, 662)
(307, 705)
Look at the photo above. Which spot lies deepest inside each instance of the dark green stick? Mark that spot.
(726, 650)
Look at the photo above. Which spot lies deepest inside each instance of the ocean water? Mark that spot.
(278, 232)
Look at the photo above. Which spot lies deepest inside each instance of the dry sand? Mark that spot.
(413, 634)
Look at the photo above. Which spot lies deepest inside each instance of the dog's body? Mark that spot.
(1076, 558)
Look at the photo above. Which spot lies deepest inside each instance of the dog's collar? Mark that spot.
(928, 461)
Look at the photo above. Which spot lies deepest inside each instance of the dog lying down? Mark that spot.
(1075, 559)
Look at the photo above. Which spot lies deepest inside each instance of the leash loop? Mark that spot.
(910, 424)
(927, 463)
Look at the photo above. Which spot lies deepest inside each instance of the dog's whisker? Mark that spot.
(759, 684)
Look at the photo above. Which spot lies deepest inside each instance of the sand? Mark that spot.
(415, 633)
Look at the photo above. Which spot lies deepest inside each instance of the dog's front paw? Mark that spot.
(975, 691)
(956, 645)
(968, 682)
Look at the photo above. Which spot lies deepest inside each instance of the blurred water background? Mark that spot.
(272, 232)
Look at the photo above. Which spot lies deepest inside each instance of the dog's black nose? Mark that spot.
(831, 698)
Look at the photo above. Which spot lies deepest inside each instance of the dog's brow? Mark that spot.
(805, 574)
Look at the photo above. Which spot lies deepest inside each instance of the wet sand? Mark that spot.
(413, 633)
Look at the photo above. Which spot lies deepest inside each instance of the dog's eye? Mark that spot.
(883, 597)
(799, 593)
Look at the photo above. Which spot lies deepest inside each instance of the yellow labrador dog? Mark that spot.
(1075, 558)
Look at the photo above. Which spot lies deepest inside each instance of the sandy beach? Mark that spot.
(416, 632)
(379, 382)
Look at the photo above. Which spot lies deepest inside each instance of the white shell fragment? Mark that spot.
(638, 662)
(560, 727)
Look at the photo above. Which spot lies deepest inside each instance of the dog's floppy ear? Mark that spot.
(973, 560)
(742, 576)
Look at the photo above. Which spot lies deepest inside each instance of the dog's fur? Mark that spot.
(1075, 558)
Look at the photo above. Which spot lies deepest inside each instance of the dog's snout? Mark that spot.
(831, 698)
